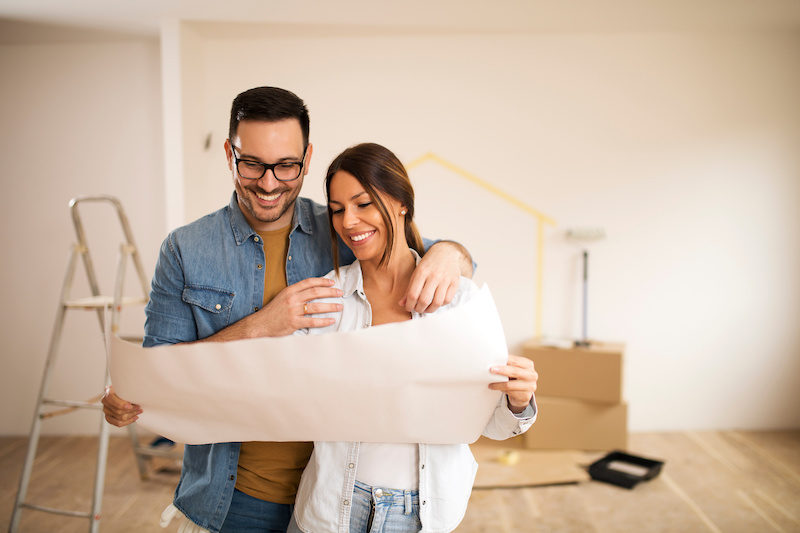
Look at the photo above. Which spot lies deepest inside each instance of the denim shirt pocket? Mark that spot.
(211, 307)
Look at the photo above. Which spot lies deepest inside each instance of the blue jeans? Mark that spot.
(395, 511)
(378, 510)
(251, 515)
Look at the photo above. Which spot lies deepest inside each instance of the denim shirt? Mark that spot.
(209, 275)
(446, 471)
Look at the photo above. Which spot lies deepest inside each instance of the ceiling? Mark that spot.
(52, 19)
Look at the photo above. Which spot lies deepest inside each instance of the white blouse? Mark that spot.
(443, 473)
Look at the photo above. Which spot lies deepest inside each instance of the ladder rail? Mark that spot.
(127, 248)
(100, 471)
(126, 230)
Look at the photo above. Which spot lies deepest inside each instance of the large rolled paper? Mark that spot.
(416, 381)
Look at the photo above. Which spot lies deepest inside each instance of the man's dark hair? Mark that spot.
(269, 104)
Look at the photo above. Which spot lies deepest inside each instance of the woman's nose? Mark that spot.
(348, 219)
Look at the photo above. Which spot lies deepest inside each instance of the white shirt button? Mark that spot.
(346, 502)
(217, 307)
(378, 493)
(351, 465)
(255, 239)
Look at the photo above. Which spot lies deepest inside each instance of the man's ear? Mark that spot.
(309, 151)
(229, 154)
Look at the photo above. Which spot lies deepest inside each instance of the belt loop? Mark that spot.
(407, 494)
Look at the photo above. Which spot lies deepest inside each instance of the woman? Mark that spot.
(362, 487)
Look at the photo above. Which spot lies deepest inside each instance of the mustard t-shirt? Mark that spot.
(271, 471)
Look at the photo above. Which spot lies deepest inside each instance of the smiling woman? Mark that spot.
(370, 196)
(400, 487)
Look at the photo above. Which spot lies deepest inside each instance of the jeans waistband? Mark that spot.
(396, 496)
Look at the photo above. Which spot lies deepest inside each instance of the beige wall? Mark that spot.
(78, 119)
(682, 146)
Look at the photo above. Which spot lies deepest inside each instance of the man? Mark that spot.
(250, 270)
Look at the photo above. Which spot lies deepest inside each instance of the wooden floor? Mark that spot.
(732, 481)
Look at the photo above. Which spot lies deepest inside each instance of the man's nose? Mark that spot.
(268, 181)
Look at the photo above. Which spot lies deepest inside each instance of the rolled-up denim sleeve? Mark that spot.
(168, 319)
(427, 243)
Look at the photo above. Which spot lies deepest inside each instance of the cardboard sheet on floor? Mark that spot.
(398, 382)
(534, 467)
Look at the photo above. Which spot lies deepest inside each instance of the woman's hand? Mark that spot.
(521, 384)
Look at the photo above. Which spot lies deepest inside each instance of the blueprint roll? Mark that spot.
(244, 390)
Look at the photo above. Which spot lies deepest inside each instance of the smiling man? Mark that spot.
(250, 270)
(247, 149)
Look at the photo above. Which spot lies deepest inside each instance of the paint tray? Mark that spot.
(623, 469)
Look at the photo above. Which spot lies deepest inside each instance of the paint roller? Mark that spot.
(584, 236)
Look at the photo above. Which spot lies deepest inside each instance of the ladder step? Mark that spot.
(56, 511)
(71, 403)
(99, 302)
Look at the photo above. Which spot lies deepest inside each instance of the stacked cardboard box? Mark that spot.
(579, 395)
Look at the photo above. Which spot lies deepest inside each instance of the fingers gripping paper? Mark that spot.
(416, 381)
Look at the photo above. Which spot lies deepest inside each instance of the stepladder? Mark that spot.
(108, 307)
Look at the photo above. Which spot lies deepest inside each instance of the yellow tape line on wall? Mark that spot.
(541, 218)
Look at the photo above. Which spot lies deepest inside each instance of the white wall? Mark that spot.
(682, 146)
(77, 119)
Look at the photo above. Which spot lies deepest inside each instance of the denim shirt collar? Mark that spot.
(242, 230)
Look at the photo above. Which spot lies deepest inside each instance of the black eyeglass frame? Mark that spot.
(268, 166)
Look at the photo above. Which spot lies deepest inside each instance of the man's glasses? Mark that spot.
(254, 170)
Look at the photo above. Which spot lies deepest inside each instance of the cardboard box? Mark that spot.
(592, 373)
(567, 424)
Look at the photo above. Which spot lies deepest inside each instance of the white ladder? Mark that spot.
(101, 305)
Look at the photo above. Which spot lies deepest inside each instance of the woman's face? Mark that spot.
(357, 219)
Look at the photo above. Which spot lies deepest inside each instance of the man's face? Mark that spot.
(268, 204)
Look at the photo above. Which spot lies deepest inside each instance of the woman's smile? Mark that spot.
(358, 238)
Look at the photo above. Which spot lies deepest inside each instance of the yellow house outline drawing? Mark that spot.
(541, 218)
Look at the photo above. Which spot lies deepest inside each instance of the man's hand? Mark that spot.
(436, 279)
(289, 311)
(521, 384)
(119, 412)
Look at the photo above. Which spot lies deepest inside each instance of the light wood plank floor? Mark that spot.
(729, 481)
